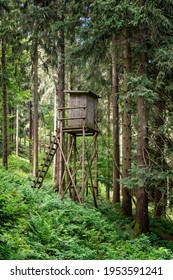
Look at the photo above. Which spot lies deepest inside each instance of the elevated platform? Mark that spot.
(78, 131)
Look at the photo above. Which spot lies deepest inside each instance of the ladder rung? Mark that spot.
(35, 183)
(46, 160)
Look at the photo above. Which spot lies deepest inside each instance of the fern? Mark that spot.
(35, 224)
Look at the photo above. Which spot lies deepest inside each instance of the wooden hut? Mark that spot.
(81, 111)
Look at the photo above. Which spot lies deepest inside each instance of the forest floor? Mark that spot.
(37, 224)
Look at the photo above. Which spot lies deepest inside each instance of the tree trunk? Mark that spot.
(30, 131)
(159, 196)
(11, 128)
(116, 165)
(35, 113)
(59, 164)
(4, 107)
(70, 137)
(159, 200)
(126, 159)
(107, 151)
(142, 218)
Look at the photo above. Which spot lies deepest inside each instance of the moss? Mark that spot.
(132, 224)
(137, 229)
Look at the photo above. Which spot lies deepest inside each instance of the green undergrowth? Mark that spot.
(36, 224)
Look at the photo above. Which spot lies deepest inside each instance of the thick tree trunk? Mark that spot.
(4, 107)
(142, 218)
(116, 165)
(126, 160)
(35, 113)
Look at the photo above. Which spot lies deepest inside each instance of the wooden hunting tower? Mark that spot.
(78, 120)
(77, 160)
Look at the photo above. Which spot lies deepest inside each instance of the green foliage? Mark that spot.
(36, 224)
(140, 248)
(141, 86)
(19, 166)
(139, 176)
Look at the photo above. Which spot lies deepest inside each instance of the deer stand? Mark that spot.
(80, 162)
(77, 163)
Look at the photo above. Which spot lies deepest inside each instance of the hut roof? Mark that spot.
(82, 92)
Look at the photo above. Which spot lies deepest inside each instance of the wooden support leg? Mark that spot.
(95, 166)
(74, 168)
(70, 147)
(83, 164)
(61, 162)
(68, 170)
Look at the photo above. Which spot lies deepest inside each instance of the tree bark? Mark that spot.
(35, 113)
(59, 163)
(116, 164)
(159, 195)
(11, 128)
(30, 131)
(126, 159)
(142, 218)
(107, 150)
(4, 107)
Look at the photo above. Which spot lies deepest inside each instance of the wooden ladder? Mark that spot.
(47, 162)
